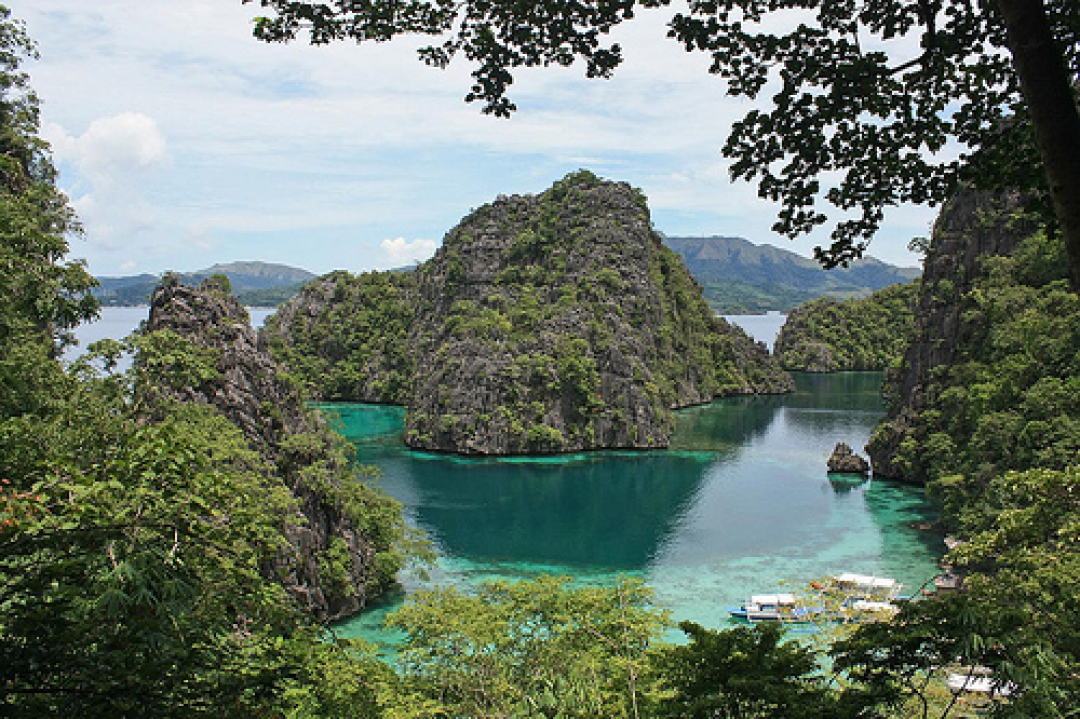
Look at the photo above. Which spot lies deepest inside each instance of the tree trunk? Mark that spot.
(1047, 88)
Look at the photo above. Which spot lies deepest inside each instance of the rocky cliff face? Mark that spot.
(548, 323)
(972, 228)
(330, 566)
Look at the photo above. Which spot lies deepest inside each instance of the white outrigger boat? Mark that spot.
(849, 597)
(773, 608)
(868, 587)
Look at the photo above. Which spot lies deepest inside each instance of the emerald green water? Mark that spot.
(741, 504)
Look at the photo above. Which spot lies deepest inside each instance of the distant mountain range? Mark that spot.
(254, 283)
(736, 275)
(739, 277)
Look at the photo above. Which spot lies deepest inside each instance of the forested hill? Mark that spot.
(738, 276)
(253, 283)
(864, 333)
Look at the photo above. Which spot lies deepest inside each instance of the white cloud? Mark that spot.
(112, 161)
(400, 252)
(311, 154)
(111, 147)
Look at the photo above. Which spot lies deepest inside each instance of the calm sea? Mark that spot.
(741, 504)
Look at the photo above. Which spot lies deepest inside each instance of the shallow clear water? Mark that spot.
(741, 504)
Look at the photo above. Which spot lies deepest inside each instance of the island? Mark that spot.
(557, 322)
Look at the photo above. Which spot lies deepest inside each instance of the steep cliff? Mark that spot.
(341, 539)
(559, 322)
(988, 381)
(548, 323)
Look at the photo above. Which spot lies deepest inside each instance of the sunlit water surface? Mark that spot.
(741, 504)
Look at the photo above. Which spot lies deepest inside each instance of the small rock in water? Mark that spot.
(846, 461)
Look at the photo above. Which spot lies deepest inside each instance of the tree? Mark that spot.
(741, 672)
(533, 648)
(135, 542)
(1017, 615)
(130, 565)
(853, 96)
(40, 294)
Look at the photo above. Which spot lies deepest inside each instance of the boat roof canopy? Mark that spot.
(866, 580)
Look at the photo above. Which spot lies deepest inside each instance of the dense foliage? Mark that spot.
(1009, 398)
(1016, 617)
(534, 648)
(346, 337)
(140, 536)
(39, 291)
(869, 333)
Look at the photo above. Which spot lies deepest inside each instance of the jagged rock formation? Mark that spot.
(869, 333)
(549, 323)
(953, 345)
(844, 460)
(331, 566)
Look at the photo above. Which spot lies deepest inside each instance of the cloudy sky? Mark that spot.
(183, 141)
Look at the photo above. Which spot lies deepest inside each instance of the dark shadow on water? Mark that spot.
(608, 512)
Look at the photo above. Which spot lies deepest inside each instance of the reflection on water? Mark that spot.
(741, 504)
(606, 513)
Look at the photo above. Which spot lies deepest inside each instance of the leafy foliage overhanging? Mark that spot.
(898, 101)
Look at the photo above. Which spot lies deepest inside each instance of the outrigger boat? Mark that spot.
(868, 587)
(773, 608)
(854, 597)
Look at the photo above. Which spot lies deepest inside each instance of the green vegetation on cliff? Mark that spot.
(984, 409)
(346, 337)
(148, 562)
(559, 322)
(345, 536)
(1010, 396)
(870, 333)
(547, 323)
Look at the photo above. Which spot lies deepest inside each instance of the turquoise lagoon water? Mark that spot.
(740, 504)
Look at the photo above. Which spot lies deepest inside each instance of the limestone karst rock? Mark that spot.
(973, 227)
(329, 566)
(844, 460)
(545, 323)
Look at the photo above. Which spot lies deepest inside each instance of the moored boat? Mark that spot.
(773, 608)
(867, 586)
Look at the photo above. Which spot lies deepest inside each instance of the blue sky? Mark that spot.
(183, 141)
